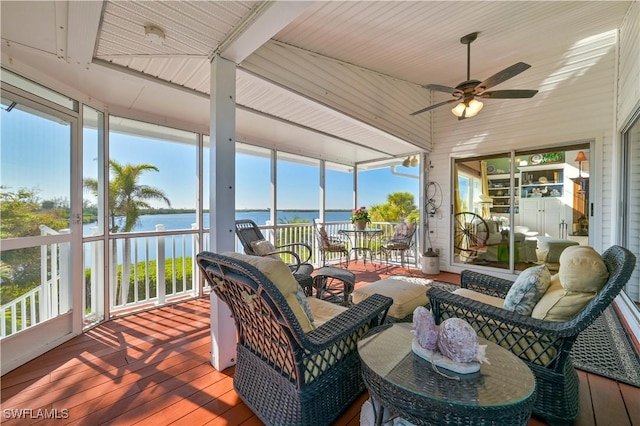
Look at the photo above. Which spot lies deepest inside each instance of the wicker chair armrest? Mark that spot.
(483, 283)
(357, 319)
(305, 246)
(537, 341)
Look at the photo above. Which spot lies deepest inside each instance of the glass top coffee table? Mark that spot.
(501, 393)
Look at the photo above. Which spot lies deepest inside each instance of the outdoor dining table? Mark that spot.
(361, 240)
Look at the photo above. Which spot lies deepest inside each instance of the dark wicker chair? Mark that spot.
(298, 254)
(328, 244)
(285, 376)
(543, 345)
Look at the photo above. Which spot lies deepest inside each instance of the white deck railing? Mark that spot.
(150, 255)
(47, 300)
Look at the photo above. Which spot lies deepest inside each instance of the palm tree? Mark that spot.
(126, 200)
(399, 205)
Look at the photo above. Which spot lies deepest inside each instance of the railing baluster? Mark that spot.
(14, 319)
(160, 275)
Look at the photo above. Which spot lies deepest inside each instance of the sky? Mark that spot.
(35, 153)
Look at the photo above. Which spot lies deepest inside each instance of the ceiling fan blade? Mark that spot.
(430, 107)
(445, 89)
(501, 76)
(508, 94)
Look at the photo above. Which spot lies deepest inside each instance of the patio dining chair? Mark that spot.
(291, 368)
(296, 255)
(543, 340)
(400, 242)
(328, 244)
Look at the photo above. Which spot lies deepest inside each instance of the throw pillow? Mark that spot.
(281, 276)
(557, 304)
(582, 269)
(402, 231)
(527, 290)
(302, 299)
(263, 248)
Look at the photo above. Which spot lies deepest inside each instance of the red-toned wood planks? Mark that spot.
(152, 368)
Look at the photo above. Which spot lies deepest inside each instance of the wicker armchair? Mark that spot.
(543, 345)
(329, 244)
(249, 234)
(287, 376)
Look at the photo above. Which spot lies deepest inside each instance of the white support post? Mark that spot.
(222, 199)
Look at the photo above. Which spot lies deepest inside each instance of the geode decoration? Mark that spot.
(425, 328)
(458, 341)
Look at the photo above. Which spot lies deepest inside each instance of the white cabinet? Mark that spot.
(543, 215)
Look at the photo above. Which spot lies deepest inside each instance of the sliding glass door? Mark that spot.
(631, 199)
(522, 208)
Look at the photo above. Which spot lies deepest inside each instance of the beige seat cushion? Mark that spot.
(323, 311)
(479, 297)
(406, 295)
(280, 274)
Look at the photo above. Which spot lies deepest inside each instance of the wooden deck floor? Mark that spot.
(152, 368)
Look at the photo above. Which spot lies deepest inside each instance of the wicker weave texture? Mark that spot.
(543, 345)
(285, 376)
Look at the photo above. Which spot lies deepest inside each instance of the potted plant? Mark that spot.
(360, 217)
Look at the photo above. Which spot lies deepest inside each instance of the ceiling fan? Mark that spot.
(466, 92)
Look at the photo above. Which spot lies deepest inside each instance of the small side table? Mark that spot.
(322, 282)
(501, 393)
(361, 240)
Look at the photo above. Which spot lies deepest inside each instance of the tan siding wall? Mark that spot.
(575, 102)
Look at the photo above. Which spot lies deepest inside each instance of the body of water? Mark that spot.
(179, 221)
(175, 221)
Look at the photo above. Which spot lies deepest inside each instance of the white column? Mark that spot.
(222, 199)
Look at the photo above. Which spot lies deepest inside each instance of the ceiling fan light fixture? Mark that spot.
(414, 161)
(472, 108)
(458, 110)
(407, 162)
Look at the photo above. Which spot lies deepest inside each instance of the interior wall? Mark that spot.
(576, 102)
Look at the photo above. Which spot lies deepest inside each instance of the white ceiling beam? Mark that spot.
(84, 23)
(264, 22)
(62, 15)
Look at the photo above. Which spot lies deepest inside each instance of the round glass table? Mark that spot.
(501, 393)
